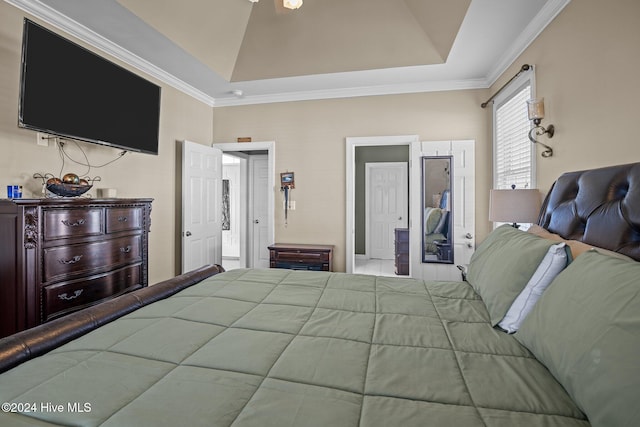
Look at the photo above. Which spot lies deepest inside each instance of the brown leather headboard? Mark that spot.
(600, 207)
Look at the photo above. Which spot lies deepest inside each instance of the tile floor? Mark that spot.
(378, 267)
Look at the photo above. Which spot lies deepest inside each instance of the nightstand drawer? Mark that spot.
(302, 256)
(61, 223)
(90, 257)
(61, 298)
(122, 219)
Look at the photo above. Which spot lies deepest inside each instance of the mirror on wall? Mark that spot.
(437, 212)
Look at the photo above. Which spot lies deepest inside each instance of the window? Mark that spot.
(513, 154)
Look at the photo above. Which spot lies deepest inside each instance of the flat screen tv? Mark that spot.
(68, 91)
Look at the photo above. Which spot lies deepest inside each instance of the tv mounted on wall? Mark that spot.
(68, 91)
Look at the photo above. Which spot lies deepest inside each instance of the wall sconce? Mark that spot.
(292, 4)
(514, 206)
(287, 183)
(535, 110)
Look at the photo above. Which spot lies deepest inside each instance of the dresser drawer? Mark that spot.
(60, 298)
(401, 246)
(122, 219)
(89, 257)
(402, 259)
(402, 235)
(60, 223)
(301, 256)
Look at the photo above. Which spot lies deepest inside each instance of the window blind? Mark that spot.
(513, 148)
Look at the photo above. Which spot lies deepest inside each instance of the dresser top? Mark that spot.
(72, 201)
(301, 246)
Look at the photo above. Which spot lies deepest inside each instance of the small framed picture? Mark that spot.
(287, 180)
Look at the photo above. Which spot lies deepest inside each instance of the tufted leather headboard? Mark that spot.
(600, 207)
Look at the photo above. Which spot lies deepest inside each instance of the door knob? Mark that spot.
(399, 218)
(468, 236)
(188, 233)
(256, 221)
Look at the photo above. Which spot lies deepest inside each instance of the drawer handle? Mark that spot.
(70, 261)
(123, 219)
(125, 250)
(75, 295)
(79, 222)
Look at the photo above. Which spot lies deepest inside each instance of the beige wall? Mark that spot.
(134, 175)
(310, 140)
(586, 60)
(587, 63)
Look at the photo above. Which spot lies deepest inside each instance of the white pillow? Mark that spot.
(551, 265)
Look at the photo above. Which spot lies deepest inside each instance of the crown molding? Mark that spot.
(547, 14)
(353, 92)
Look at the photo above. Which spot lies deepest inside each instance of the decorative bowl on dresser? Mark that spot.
(62, 254)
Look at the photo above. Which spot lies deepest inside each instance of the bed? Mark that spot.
(300, 348)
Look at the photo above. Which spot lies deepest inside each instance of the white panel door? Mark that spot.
(259, 208)
(464, 200)
(387, 192)
(201, 205)
(463, 195)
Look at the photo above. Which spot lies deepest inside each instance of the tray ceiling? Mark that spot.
(325, 49)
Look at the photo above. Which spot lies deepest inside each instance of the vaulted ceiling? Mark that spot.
(245, 41)
(229, 52)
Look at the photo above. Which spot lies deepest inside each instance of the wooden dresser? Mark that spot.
(301, 257)
(401, 251)
(61, 255)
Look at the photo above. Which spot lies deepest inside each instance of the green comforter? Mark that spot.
(291, 348)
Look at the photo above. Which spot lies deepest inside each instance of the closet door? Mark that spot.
(462, 209)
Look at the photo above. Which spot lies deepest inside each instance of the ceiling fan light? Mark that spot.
(292, 4)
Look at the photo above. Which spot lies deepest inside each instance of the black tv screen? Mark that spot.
(68, 91)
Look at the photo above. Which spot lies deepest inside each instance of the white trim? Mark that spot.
(549, 11)
(353, 92)
(351, 143)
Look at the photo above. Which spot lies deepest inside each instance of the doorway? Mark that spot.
(250, 204)
(355, 182)
(233, 192)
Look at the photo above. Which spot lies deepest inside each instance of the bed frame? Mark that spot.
(599, 207)
(18, 348)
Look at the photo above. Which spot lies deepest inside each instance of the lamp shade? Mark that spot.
(518, 205)
(535, 109)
